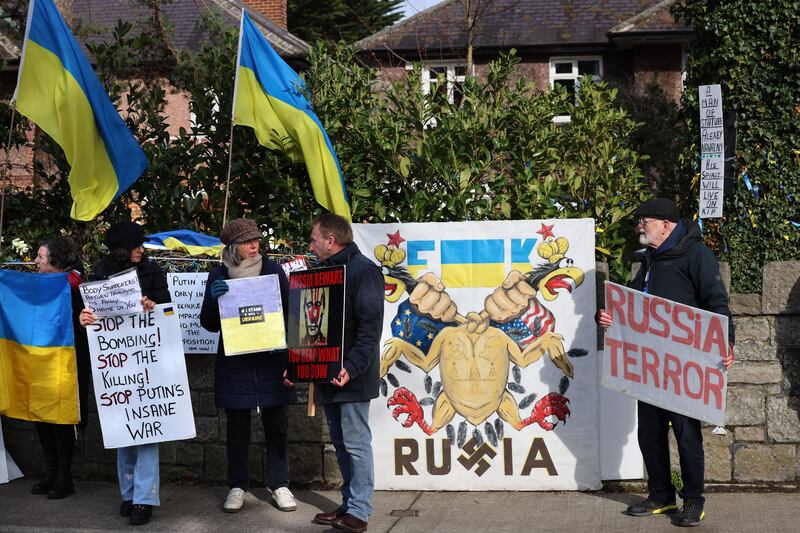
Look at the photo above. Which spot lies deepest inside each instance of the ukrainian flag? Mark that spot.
(268, 98)
(38, 369)
(184, 240)
(472, 263)
(58, 90)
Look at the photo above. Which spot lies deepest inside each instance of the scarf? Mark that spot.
(248, 268)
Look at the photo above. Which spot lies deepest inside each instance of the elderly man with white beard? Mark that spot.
(675, 264)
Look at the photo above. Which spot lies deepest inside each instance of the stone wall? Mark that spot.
(760, 444)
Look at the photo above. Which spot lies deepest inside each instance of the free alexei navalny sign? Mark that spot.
(140, 381)
(666, 353)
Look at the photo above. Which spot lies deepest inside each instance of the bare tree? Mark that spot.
(474, 13)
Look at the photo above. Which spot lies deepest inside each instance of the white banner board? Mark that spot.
(140, 381)
(117, 295)
(486, 397)
(187, 290)
(666, 353)
(712, 151)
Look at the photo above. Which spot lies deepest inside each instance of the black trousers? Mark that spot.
(653, 432)
(275, 421)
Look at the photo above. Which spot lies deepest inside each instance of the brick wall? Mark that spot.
(275, 10)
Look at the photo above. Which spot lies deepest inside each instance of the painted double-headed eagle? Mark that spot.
(476, 353)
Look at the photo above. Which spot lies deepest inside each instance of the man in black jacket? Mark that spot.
(346, 399)
(675, 265)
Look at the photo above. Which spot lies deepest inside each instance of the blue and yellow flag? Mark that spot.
(268, 97)
(38, 369)
(58, 90)
(184, 240)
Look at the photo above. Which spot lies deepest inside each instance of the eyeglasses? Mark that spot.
(644, 221)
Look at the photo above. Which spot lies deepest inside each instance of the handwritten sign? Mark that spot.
(295, 265)
(139, 375)
(251, 315)
(187, 290)
(117, 295)
(712, 152)
(666, 353)
(316, 324)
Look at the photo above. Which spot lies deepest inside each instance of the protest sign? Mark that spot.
(251, 315)
(140, 381)
(295, 265)
(187, 290)
(9, 470)
(712, 151)
(480, 399)
(117, 295)
(666, 353)
(316, 324)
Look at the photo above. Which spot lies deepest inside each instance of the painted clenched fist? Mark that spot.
(429, 298)
(509, 300)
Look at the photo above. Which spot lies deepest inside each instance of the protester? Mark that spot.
(675, 265)
(250, 381)
(137, 466)
(56, 255)
(346, 399)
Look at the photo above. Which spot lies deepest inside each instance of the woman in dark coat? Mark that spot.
(58, 254)
(252, 381)
(137, 466)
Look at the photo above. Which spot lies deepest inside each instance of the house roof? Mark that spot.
(98, 18)
(523, 24)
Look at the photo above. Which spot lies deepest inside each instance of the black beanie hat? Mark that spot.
(660, 208)
(126, 235)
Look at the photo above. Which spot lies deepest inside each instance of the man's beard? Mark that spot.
(644, 240)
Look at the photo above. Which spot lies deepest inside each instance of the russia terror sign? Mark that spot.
(666, 353)
(316, 324)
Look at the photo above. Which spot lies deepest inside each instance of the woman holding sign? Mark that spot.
(252, 381)
(137, 466)
(56, 255)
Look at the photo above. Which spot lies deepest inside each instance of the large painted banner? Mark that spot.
(140, 382)
(666, 353)
(489, 375)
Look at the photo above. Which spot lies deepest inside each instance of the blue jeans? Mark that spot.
(137, 469)
(352, 438)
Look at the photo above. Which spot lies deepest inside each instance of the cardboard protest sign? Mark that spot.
(712, 151)
(187, 290)
(251, 315)
(117, 295)
(140, 381)
(316, 324)
(666, 353)
(295, 265)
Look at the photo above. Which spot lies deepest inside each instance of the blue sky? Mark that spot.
(412, 7)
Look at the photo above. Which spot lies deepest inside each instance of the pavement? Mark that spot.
(198, 509)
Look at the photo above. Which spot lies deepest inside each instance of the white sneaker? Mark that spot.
(283, 499)
(234, 501)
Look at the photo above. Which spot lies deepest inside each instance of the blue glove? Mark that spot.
(218, 288)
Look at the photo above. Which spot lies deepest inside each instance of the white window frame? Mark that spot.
(573, 75)
(450, 75)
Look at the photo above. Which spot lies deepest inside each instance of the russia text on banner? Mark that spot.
(268, 98)
(58, 90)
(37, 348)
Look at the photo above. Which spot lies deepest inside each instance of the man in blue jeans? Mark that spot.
(346, 399)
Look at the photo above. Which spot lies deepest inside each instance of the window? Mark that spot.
(452, 77)
(567, 71)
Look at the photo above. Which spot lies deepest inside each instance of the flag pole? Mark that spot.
(228, 180)
(6, 165)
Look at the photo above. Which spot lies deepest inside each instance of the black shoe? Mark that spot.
(691, 515)
(46, 483)
(63, 487)
(140, 514)
(125, 507)
(649, 507)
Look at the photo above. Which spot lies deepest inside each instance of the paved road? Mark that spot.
(196, 509)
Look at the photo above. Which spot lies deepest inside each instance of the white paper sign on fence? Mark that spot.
(117, 295)
(187, 290)
(140, 381)
(494, 395)
(712, 151)
(666, 353)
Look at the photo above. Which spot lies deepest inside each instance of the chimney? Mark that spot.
(274, 10)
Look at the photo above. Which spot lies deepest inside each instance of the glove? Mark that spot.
(218, 288)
